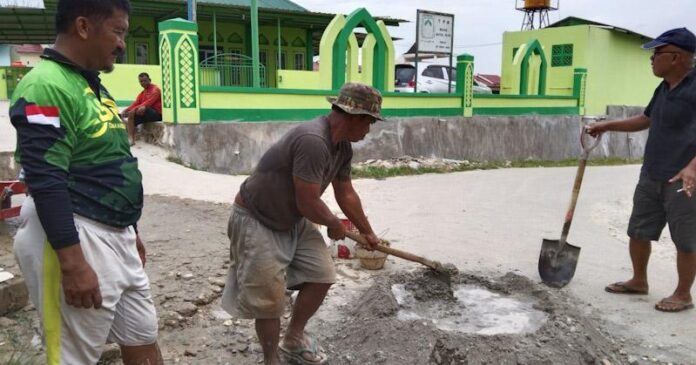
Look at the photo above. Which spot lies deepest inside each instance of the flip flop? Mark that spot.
(620, 287)
(678, 306)
(296, 354)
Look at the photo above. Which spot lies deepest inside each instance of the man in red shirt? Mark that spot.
(147, 107)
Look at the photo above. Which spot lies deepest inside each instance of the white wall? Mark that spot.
(5, 59)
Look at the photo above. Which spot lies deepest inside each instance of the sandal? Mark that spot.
(621, 288)
(297, 355)
(672, 306)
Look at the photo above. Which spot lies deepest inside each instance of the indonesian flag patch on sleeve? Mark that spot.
(45, 115)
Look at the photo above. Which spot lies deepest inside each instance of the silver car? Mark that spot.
(433, 79)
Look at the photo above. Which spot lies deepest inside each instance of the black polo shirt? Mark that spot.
(671, 143)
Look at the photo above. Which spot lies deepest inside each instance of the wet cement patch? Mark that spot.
(476, 310)
(376, 333)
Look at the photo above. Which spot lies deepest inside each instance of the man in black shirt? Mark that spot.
(668, 176)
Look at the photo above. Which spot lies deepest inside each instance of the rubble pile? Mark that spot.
(414, 163)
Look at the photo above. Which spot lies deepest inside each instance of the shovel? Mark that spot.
(444, 272)
(558, 258)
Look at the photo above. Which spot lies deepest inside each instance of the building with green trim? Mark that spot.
(301, 94)
(288, 38)
(544, 62)
(244, 64)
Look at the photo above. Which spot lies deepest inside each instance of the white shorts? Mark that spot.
(76, 335)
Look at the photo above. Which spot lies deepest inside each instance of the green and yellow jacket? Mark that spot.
(74, 149)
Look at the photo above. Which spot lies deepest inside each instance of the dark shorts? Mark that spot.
(150, 115)
(657, 203)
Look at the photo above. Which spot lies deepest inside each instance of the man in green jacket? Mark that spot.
(77, 246)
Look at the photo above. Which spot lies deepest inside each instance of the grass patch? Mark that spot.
(177, 160)
(376, 172)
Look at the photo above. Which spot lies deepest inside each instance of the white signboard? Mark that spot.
(434, 32)
(37, 4)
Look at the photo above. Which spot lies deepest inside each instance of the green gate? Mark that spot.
(12, 76)
(230, 69)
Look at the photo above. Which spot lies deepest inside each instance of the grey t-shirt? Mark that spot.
(306, 152)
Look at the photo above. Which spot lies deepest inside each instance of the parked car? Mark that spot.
(405, 76)
(481, 88)
(432, 79)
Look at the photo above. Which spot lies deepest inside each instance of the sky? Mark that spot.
(479, 24)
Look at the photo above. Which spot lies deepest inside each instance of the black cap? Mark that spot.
(679, 37)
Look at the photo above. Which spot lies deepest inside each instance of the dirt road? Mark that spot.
(492, 222)
(488, 223)
(358, 324)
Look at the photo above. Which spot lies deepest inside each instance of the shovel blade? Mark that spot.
(557, 264)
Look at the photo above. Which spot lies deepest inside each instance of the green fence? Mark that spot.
(11, 76)
(229, 69)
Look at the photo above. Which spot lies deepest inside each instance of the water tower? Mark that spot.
(535, 11)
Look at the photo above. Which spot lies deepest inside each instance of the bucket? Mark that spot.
(345, 248)
(371, 260)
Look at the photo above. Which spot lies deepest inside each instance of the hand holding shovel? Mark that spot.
(558, 258)
(445, 272)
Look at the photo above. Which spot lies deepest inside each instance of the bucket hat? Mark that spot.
(356, 98)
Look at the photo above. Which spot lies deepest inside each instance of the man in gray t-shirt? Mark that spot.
(274, 242)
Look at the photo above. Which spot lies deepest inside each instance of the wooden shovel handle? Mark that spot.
(392, 251)
(586, 149)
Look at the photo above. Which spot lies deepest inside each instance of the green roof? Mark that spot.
(572, 20)
(266, 4)
(20, 26)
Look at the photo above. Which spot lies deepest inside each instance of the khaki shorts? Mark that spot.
(657, 203)
(263, 263)
(75, 335)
